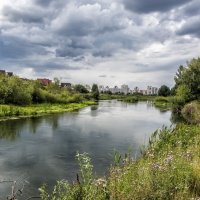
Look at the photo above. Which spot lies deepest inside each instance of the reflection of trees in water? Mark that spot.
(94, 107)
(150, 104)
(53, 120)
(176, 117)
(11, 129)
(94, 110)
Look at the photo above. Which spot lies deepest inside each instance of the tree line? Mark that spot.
(14, 90)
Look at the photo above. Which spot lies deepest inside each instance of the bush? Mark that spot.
(191, 112)
(75, 98)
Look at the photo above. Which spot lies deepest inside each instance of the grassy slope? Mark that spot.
(12, 111)
(168, 169)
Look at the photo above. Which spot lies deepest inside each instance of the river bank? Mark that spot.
(168, 168)
(15, 112)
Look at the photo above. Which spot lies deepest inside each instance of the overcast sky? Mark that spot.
(109, 42)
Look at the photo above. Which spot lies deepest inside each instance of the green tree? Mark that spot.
(80, 88)
(188, 80)
(95, 92)
(164, 91)
(20, 91)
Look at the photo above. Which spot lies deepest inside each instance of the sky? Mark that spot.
(108, 42)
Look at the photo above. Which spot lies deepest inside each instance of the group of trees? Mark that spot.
(14, 90)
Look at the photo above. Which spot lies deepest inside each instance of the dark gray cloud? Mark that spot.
(98, 36)
(147, 6)
(44, 2)
(30, 15)
(191, 28)
(192, 9)
(12, 47)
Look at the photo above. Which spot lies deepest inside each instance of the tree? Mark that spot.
(188, 80)
(164, 91)
(95, 92)
(80, 88)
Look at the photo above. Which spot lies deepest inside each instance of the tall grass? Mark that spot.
(169, 169)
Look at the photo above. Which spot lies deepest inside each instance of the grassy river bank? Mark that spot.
(15, 111)
(168, 168)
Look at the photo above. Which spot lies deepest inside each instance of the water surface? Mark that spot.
(43, 149)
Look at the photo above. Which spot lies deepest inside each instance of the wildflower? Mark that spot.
(100, 182)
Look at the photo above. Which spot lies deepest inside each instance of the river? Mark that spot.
(42, 150)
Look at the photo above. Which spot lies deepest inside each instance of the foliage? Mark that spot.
(80, 88)
(131, 99)
(164, 91)
(168, 168)
(95, 92)
(14, 90)
(39, 109)
(187, 80)
(191, 112)
(86, 187)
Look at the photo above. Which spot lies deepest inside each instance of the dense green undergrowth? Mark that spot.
(191, 112)
(169, 168)
(8, 111)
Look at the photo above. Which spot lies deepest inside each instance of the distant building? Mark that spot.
(152, 90)
(125, 89)
(44, 81)
(107, 89)
(101, 88)
(66, 85)
(144, 92)
(115, 90)
(136, 89)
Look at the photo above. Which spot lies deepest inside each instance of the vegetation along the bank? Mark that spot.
(169, 166)
(13, 111)
(22, 97)
(167, 169)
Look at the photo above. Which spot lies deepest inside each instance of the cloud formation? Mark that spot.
(143, 6)
(130, 41)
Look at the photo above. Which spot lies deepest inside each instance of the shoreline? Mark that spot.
(14, 112)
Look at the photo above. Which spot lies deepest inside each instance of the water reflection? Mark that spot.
(11, 129)
(44, 148)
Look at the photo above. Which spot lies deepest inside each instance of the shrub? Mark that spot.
(191, 112)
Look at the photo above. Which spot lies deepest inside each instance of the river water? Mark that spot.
(42, 150)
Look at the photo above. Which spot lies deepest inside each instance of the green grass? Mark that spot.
(124, 97)
(169, 169)
(130, 99)
(12, 111)
(191, 112)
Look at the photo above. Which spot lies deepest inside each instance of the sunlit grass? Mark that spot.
(39, 109)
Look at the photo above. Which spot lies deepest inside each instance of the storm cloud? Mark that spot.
(143, 6)
(126, 40)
